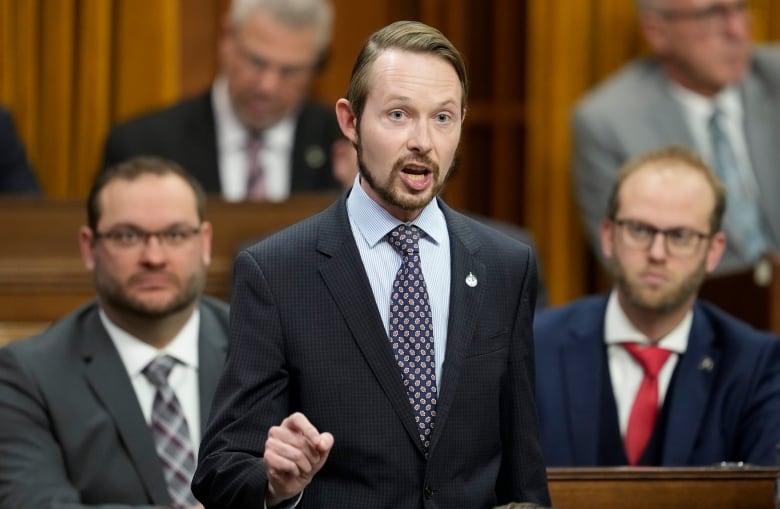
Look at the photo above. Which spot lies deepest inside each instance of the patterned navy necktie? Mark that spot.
(171, 434)
(411, 330)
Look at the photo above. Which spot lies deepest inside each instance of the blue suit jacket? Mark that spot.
(728, 413)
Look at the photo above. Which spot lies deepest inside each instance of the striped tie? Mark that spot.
(171, 435)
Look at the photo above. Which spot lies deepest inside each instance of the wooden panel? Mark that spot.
(667, 488)
(41, 273)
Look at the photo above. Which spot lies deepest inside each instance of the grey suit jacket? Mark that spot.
(634, 112)
(72, 433)
(306, 336)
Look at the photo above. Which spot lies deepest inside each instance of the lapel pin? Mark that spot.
(314, 156)
(706, 364)
(471, 280)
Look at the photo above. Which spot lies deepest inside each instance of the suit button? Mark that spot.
(427, 492)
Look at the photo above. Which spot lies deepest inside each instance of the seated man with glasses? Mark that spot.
(649, 375)
(254, 135)
(106, 408)
(707, 88)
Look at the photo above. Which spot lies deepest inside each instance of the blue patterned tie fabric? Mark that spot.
(411, 330)
(171, 434)
(743, 218)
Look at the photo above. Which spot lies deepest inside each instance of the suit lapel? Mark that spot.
(461, 326)
(665, 112)
(583, 370)
(203, 135)
(211, 358)
(761, 112)
(355, 300)
(693, 381)
(107, 376)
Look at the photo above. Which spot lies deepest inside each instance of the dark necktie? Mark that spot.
(255, 185)
(171, 434)
(644, 411)
(411, 330)
(743, 217)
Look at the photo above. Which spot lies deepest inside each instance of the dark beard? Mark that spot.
(113, 295)
(388, 194)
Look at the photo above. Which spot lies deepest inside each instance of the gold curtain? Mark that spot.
(572, 45)
(69, 69)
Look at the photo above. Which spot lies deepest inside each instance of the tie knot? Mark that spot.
(158, 370)
(254, 142)
(405, 239)
(652, 358)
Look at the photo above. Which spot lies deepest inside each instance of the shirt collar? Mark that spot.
(136, 354)
(619, 329)
(374, 222)
(727, 100)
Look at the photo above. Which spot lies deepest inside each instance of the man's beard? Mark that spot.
(113, 295)
(391, 194)
(672, 301)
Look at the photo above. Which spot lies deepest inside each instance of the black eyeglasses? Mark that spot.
(128, 238)
(679, 242)
(709, 15)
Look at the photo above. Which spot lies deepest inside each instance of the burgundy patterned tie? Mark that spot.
(171, 435)
(411, 330)
(255, 186)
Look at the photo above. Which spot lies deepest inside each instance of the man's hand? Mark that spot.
(294, 452)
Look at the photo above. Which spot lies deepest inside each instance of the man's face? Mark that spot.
(408, 135)
(653, 280)
(705, 44)
(154, 278)
(269, 68)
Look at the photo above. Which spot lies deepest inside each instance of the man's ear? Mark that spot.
(87, 247)
(347, 120)
(715, 251)
(654, 29)
(607, 247)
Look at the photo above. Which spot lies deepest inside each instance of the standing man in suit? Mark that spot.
(87, 418)
(333, 395)
(706, 88)
(16, 176)
(714, 392)
(254, 134)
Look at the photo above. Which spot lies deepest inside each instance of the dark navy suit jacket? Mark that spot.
(306, 336)
(730, 412)
(16, 176)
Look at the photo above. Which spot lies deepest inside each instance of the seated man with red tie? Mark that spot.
(649, 375)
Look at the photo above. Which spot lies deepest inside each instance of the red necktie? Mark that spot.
(255, 187)
(645, 409)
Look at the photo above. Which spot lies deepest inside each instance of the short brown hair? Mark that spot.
(668, 156)
(136, 167)
(411, 36)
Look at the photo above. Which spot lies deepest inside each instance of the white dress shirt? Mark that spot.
(183, 379)
(625, 372)
(233, 141)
